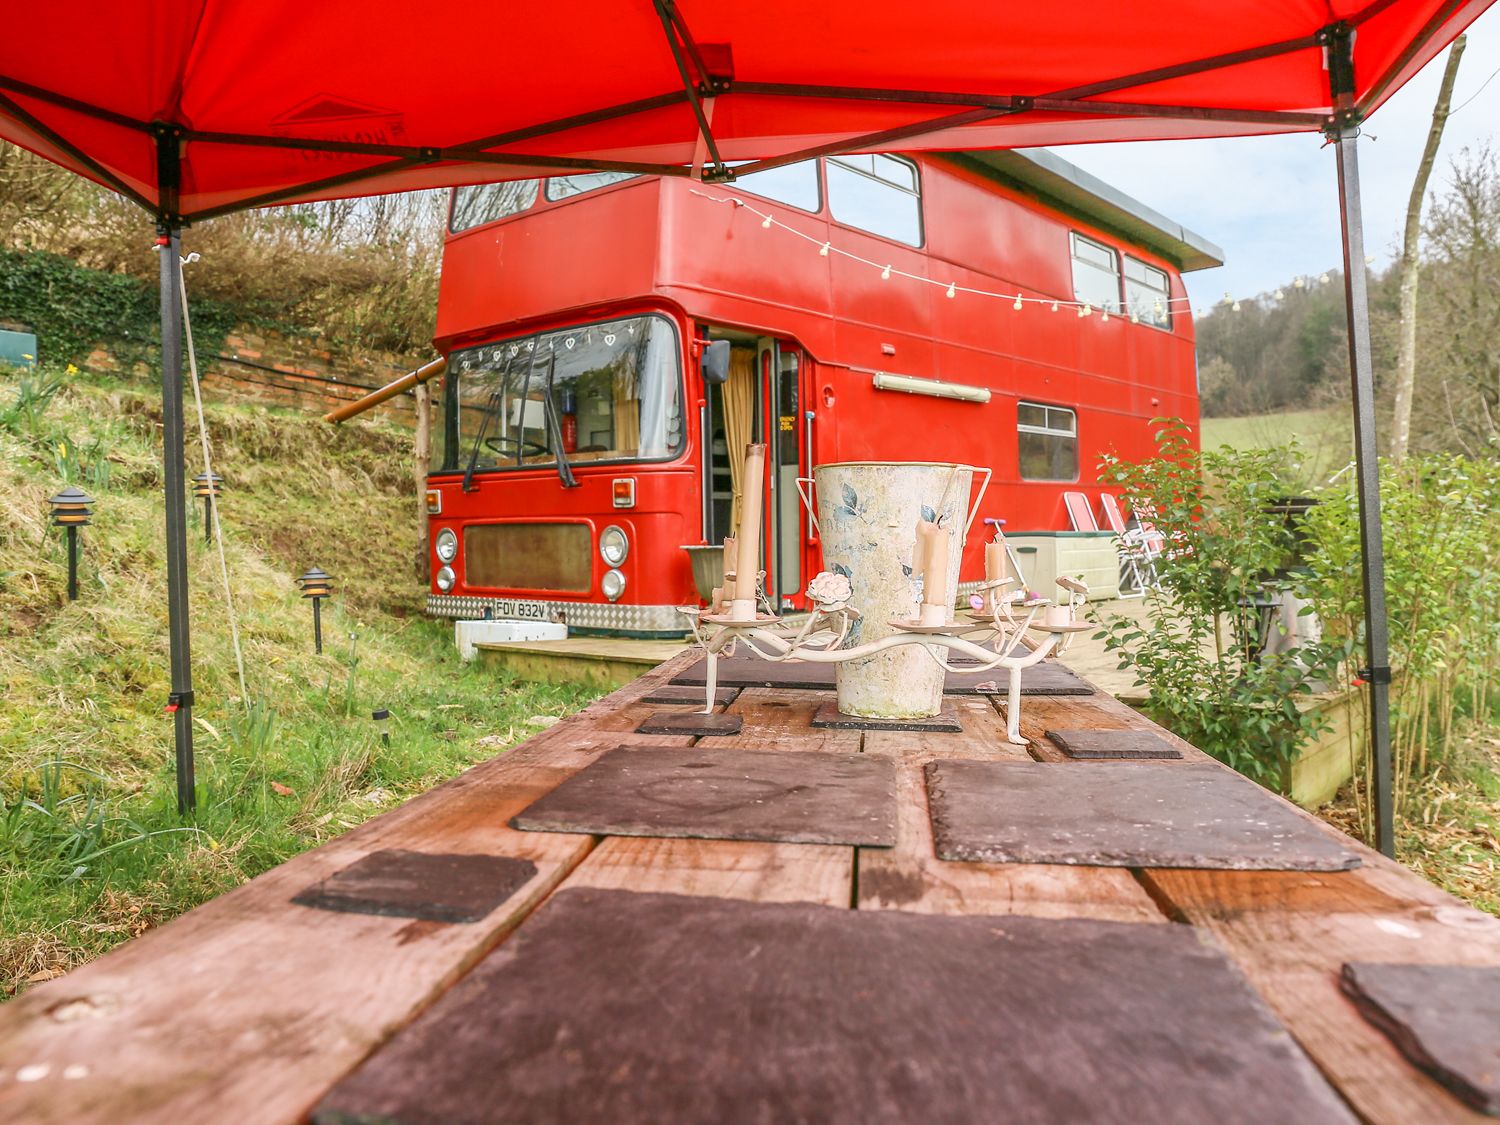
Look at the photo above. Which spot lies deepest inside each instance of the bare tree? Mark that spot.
(1460, 318)
(1406, 360)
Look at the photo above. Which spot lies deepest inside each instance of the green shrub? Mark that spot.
(1198, 656)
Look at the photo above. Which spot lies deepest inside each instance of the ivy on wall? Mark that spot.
(72, 309)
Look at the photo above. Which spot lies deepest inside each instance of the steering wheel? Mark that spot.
(497, 446)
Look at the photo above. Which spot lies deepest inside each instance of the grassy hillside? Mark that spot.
(1324, 436)
(91, 848)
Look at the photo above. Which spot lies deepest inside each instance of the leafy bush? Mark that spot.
(1441, 522)
(1198, 657)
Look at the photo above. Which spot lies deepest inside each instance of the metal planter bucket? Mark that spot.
(867, 512)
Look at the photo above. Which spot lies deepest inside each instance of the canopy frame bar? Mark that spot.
(872, 140)
(680, 40)
(1429, 29)
(53, 137)
(1343, 132)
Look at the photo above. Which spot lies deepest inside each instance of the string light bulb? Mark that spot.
(1054, 306)
(1280, 295)
(885, 274)
(1134, 319)
(766, 223)
(1085, 309)
(1323, 280)
(952, 292)
(1017, 305)
(1228, 300)
(1299, 282)
(1235, 307)
(1157, 308)
(1106, 314)
(823, 250)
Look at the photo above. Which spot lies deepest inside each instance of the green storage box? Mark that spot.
(1090, 555)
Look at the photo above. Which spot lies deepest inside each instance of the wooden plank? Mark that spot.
(1100, 711)
(1291, 933)
(758, 872)
(249, 1007)
(781, 718)
(910, 877)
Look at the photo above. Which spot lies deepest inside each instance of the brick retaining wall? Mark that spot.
(293, 371)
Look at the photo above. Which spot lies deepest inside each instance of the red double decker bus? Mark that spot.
(1002, 309)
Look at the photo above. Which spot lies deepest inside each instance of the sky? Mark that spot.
(1271, 203)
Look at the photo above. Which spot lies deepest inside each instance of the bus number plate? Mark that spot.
(512, 609)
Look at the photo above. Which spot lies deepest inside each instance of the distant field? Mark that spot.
(1323, 435)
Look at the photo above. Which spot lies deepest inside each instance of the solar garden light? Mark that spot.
(317, 586)
(380, 717)
(70, 509)
(206, 487)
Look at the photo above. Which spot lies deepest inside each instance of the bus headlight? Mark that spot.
(446, 545)
(613, 585)
(445, 579)
(613, 545)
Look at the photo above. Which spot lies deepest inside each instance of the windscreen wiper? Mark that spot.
(492, 408)
(554, 430)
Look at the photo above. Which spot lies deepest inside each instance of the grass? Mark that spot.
(1325, 437)
(1449, 830)
(92, 850)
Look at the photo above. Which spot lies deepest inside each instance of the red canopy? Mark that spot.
(278, 101)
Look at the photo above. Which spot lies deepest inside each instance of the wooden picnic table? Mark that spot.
(251, 1008)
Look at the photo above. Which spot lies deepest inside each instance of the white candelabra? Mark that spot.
(992, 638)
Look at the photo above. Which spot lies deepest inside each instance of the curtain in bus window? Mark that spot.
(739, 414)
(627, 408)
(659, 430)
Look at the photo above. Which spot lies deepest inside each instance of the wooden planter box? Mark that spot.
(1322, 767)
(1327, 762)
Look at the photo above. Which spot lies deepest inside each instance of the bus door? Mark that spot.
(787, 459)
(762, 402)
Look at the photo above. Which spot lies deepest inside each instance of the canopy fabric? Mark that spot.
(198, 107)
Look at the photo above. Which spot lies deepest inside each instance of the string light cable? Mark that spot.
(1017, 301)
(187, 326)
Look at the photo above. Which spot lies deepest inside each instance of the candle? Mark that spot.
(919, 548)
(935, 572)
(747, 564)
(996, 567)
(729, 564)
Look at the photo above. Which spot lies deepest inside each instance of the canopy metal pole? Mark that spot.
(180, 702)
(1344, 133)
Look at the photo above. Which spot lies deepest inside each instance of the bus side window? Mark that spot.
(877, 193)
(1047, 437)
(1096, 273)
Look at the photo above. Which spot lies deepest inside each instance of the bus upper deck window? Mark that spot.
(565, 187)
(877, 193)
(484, 203)
(793, 184)
(1096, 274)
(1148, 294)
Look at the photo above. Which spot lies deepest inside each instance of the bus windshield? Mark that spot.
(610, 391)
